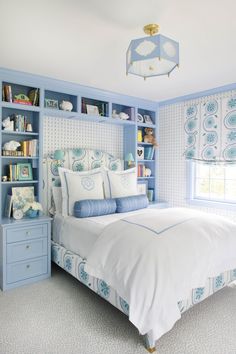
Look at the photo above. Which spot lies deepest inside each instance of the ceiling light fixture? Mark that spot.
(152, 56)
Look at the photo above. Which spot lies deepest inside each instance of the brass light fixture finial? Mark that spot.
(151, 29)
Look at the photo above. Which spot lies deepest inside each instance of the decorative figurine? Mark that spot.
(123, 116)
(8, 124)
(149, 137)
(29, 127)
(11, 145)
(147, 172)
(66, 106)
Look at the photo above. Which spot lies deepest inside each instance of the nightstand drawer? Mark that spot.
(26, 233)
(27, 269)
(24, 250)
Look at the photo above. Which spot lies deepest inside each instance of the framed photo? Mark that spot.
(92, 110)
(24, 171)
(140, 153)
(142, 188)
(53, 104)
(20, 196)
(147, 119)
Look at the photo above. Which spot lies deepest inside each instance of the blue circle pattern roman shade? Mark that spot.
(210, 130)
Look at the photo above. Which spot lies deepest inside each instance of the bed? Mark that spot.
(73, 239)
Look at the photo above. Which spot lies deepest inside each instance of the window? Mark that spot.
(213, 183)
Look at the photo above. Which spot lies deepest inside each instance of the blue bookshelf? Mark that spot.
(81, 97)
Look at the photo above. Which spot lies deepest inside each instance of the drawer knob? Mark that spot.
(27, 247)
(28, 266)
(27, 233)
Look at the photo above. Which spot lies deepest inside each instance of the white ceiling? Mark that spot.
(85, 41)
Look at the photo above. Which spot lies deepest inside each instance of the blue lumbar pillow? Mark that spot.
(94, 207)
(133, 202)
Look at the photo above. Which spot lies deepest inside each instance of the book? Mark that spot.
(30, 147)
(34, 96)
(8, 93)
(148, 153)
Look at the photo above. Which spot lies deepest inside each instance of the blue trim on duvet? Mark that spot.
(157, 232)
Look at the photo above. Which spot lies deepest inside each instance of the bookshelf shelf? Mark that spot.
(145, 125)
(142, 143)
(7, 132)
(151, 177)
(20, 157)
(19, 106)
(20, 182)
(147, 160)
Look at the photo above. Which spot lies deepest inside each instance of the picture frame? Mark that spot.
(147, 119)
(92, 110)
(20, 196)
(25, 172)
(52, 104)
(140, 153)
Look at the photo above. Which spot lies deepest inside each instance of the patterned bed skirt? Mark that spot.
(74, 265)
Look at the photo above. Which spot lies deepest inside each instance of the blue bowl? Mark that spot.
(32, 213)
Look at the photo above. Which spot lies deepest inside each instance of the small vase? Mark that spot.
(32, 213)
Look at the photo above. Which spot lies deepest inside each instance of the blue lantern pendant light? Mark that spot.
(152, 56)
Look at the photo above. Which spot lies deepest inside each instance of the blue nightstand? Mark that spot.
(25, 251)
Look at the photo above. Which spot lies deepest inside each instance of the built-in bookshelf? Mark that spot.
(27, 98)
(20, 125)
(146, 152)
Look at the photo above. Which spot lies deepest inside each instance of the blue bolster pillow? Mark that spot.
(133, 202)
(94, 207)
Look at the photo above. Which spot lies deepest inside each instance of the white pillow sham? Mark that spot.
(79, 186)
(57, 198)
(122, 183)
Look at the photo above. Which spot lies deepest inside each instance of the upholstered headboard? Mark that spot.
(78, 159)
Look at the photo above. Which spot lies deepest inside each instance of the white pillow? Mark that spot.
(57, 198)
(122, 183)
(79, 186)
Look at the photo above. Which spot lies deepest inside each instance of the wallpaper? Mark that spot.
(69, 133)
(172, 164)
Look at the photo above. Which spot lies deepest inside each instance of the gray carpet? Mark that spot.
(60, 315)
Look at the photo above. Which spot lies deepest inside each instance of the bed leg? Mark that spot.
(149, 343)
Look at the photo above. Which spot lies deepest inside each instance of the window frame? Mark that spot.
(191, 197)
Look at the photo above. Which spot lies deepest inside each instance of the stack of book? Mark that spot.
(141, 170)
(148, 153)
(13, 173)
(19, 122)
(30, 147)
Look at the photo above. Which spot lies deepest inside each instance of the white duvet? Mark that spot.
(154, 259)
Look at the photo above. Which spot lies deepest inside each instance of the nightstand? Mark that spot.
(25, 251)
(158, 204)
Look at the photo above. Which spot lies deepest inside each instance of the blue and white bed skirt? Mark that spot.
(74, 265)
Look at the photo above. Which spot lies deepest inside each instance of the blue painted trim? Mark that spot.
(196, 95)
(56, 85)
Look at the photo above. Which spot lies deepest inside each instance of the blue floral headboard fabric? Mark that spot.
(78, 159)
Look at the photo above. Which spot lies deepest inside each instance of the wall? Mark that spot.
(172, 164)
(68, 133)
